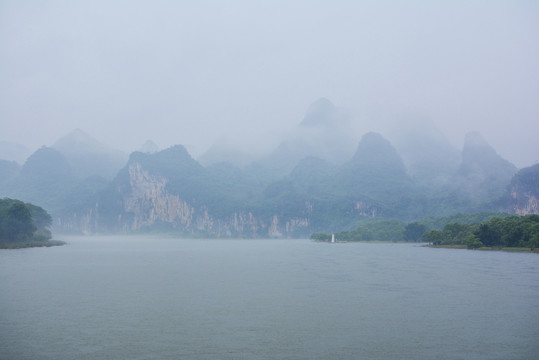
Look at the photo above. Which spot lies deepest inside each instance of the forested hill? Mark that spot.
(170, 191)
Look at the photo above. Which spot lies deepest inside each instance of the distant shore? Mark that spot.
(30, 244)
(370, 242)
(485, 248)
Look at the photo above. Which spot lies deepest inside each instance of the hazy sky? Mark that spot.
(190, 72)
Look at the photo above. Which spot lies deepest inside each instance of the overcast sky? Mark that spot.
(190, 72)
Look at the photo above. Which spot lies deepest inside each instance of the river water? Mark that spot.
(162, 298)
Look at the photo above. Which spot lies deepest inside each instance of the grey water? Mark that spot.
(162, 298)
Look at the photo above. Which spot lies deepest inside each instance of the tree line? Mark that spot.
(378, 230)
(511, 231)
(470, 230)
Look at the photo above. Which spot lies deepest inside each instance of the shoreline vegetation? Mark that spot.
(487, 248)
(30, 244)
(425, 244)
(484, 231)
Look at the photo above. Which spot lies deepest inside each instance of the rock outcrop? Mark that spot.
(523, 193)
(169, 191)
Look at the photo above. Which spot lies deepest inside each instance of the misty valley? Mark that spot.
(209, 258)
(269, 180)
(318, 180)
(315, 181)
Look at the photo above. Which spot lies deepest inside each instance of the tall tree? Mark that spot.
(414, 231)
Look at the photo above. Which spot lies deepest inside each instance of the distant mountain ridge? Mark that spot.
(89, 157)
(428, 155)
(482, 172)
(170, 191)
(13, 152)
(300, 188)
(8, 171)
(149, 147)
(63, 177)
(324, 133)
(321, 113)
(45, 179)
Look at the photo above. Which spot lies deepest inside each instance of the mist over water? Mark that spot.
(139, 298)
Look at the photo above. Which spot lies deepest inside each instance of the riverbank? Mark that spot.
(485, 248)
(30, 244)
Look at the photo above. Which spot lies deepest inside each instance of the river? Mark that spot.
(134, 297)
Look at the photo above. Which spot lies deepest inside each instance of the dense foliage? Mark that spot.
(369, 230)
(438, 223)
(20, 222)
(511, 231)
(470, 230)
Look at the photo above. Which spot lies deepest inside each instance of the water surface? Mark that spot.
(161, 298)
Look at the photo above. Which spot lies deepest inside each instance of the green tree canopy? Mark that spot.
(16, 223)
(21, 222)
(413, 231)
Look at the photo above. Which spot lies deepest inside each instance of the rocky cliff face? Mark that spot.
(525, 205)
(523, 193)
(142, 199)
(149, 201)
